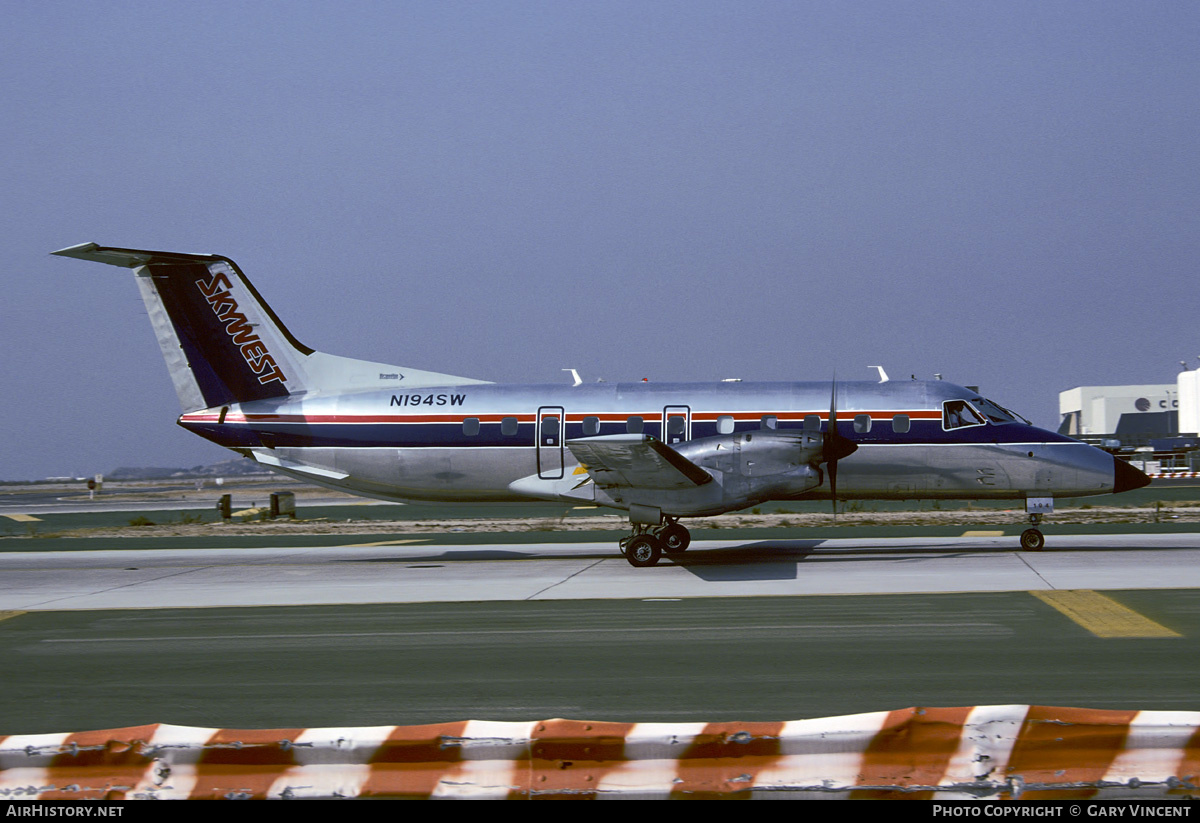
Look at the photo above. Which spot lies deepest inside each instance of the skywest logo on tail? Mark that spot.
(253, 350)
(660, 451)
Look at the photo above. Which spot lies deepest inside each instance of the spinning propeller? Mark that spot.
(836, 447)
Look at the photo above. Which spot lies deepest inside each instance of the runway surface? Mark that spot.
(420, 572)
(735, 630)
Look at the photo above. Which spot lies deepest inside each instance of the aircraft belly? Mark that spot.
(445, 474)
(457, 474)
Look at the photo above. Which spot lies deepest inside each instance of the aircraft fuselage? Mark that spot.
(508, 442)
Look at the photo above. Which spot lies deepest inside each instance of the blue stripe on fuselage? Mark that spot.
(426, 434)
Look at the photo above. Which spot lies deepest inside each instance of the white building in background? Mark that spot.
(1189, 402)
(1098, 410)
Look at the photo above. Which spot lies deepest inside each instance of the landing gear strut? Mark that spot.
(1032, 539)
(647, 544)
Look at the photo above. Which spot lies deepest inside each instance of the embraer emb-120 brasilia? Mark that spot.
(660, 451)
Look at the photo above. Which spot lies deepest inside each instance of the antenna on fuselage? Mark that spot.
(883, 378)
(575, 374)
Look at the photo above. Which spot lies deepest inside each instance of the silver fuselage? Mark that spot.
(509, 442)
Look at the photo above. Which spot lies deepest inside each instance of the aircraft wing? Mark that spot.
(636, 461)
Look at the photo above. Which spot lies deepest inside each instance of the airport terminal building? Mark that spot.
(1160, 418)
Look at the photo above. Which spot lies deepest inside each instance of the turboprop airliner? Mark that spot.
(660, 451)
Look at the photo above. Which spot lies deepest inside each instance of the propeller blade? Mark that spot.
(836, 447)
(831, 458)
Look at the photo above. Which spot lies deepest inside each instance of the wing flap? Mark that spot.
(636, 461)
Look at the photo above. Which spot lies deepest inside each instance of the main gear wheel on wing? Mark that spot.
(1032, 540)
(675, 538)
(643, 550)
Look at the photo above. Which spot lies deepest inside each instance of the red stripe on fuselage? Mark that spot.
(604, 417)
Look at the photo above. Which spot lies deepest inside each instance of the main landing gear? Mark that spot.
(647, 544)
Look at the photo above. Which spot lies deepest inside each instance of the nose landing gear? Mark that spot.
(1032, 539)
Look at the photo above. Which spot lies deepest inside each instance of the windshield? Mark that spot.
(997, 413)
(957, 414)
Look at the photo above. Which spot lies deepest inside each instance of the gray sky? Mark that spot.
(1002, 192)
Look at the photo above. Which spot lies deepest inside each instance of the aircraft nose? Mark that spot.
(1126, 477)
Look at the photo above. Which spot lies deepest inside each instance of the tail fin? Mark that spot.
(222, 342)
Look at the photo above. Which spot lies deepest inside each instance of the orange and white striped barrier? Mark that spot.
(984, 752)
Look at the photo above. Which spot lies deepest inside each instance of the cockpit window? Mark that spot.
(1012, 416)
(994, 412)
(958, 414)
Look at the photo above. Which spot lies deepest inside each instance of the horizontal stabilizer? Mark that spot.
(131, 258)
(636, 461)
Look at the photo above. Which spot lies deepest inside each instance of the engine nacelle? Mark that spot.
(755, 454)
(747, 469)
(760, 465)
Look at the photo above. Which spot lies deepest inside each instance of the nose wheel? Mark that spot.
(1032, 539)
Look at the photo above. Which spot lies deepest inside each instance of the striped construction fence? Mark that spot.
(983, 752)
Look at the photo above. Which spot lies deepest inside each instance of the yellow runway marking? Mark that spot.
(7, 615)
(997, 533)
(24, 518)
(1103, 616)
(386, 543)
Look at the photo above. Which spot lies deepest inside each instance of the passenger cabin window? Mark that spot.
(768, 421)
(549, 429)
(862, 423)
(959, 414)
(901, 424)
(591, 426)
(812, 422)
(508, 426)
(725, 424)
(634, 425)
(471, 426)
